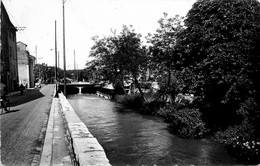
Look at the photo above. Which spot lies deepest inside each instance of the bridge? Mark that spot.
(85, 87)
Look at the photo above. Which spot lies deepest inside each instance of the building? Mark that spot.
(32, 61)
(1, 65)
(25, 65)
(9, 66)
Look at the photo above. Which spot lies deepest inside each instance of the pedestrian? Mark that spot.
(3, 93)
(21, 87)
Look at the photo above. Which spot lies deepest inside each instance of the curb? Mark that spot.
(46, 138)
(87, 149)
(46, 156)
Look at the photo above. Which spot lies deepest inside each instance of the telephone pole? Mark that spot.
(36, 53)
(64, 49)
(74, 67)
(56, 57)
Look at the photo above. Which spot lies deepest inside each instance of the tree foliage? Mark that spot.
(163, 54)
(220, 59)
(120, 55)
(163, 51)
(220, 52)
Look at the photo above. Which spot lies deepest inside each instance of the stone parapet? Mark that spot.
(87, 149)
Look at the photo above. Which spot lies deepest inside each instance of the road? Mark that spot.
(21, 127)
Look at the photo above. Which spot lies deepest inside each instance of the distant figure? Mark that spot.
(3, 93)
(21, 87)
(2, 89)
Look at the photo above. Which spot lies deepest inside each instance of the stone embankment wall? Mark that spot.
(87, 149)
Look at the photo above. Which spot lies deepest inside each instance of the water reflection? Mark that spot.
(130, 138)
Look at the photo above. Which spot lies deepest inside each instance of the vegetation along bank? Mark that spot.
(207, 65)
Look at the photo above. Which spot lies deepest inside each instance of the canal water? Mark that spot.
(130, 138)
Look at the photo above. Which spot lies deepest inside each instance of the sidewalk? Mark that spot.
(56, 150)
(68, 141)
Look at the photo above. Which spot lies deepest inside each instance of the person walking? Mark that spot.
(21, 87)
(3, 95)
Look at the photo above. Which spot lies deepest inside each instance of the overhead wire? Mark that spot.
(21, 30)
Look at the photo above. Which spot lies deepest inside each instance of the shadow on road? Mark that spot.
(28, 95)
(11, 111)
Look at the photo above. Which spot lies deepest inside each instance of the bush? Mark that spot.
(241, 141)
(184, 121)
(152, 107)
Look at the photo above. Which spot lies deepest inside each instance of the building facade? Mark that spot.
(9, 66)
(25, 65)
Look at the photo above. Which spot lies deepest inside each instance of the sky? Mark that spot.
(83, 20)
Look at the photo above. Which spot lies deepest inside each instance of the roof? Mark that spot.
(6, 23)
(32, 57)
(19, 42)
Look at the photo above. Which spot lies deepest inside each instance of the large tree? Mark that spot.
(132, 55)
(121, 54)
(163, 54)
(220, 50)
(104, 52)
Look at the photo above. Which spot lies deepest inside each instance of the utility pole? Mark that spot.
(56, 57)
(64, 54)
(77, 73)
(39, 71)
(36, 53)
(74, 67)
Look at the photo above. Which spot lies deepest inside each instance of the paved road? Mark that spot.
(21, 127)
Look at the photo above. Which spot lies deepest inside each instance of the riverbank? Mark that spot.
(188, 122)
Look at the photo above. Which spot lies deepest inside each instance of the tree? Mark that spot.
(133, 56)
(106, 59)
(222, 51)
(44, 73)
(120, 55)
(40, 71)
(163, 51)
(221, 60)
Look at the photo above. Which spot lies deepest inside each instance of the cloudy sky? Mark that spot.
(83, 19)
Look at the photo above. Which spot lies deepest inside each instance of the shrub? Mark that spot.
(152, 107)
(241, 141)
(184, 121)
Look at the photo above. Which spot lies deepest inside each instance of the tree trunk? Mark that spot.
(121, 79)
(169, 78)
(139, 88)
